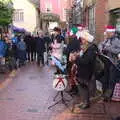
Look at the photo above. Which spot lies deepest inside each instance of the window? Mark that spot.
(118, 25)
(18, 15)
(91, 25)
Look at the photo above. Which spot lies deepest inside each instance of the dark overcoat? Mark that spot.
(86, 64)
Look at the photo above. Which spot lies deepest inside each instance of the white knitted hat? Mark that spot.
(87, 36)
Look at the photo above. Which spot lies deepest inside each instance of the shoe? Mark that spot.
(105, 99)
(73, 92)
(84, 106)
(78, 105)
(38, 63)
(107, 96)
(56, 73)
(43, 65)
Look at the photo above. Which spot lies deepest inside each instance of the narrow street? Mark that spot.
(81, 38)
(29, 94)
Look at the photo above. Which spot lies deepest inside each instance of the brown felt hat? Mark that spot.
(57, 29)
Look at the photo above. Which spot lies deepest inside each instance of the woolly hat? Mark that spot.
(110, 28)
(87, 36)
(57, 29)
(73, 31)
(80, 27)
(78, 34)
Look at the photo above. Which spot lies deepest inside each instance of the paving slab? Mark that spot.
(28, 95)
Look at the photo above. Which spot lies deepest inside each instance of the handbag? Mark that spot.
(116, 93)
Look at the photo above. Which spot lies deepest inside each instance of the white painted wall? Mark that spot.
(30, 15)
(53, 25)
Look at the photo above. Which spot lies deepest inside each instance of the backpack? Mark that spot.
(15, 40)
(3, 48)
(21, 46)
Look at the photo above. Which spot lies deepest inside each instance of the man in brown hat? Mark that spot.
(57, 31)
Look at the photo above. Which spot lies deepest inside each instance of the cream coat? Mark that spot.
(57, 50)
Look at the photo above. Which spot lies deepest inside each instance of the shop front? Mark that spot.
(115, 18)
(47, 19)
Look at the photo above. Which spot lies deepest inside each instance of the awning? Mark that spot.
(116, 11)
(16, 29)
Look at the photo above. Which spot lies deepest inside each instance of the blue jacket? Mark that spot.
(14, 40)
(3, 48)
(21, 46)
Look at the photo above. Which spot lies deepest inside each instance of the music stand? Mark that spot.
(61, 68)
(105, 59)
(110, 68)
(62, 100)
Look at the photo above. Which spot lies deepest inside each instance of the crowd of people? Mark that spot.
(20, 49)
(86, 61)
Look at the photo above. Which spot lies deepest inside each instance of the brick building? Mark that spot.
(99, 13)
(101, 18)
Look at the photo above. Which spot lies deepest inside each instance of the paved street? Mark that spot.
(30, 92)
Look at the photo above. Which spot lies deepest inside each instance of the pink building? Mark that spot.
(69, 4)
(54, 6)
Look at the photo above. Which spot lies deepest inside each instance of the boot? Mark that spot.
(107, 95)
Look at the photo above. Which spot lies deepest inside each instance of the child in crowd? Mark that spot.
(21, 47)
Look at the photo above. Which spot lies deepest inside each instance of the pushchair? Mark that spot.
(7, 64)
(11, 63)
(108, 76)
(3, 67)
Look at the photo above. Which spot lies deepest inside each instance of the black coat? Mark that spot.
(47, 40)
(40, 45)
(27, 40)
(33, 44)
(86, 63)
(60, 37)
(74, 45)
(116, 73)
